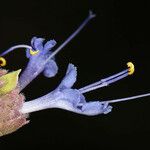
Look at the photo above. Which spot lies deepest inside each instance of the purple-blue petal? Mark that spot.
(70, 77)
(49, 45)
(71, 95)
(38, 44)
(50, 69)
(32, 41)
(96, 107)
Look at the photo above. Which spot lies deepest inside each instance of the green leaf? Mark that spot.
(10, 81)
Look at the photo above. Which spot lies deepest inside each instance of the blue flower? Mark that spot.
(74, 100)
(41, 58)
(38, 61)
(67, 98)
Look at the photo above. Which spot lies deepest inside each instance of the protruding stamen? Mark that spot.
(90, 16)
(15, 47)
(2, 62)
(109, 80)
(104, 83)
(104, 80)
(131, 68)
(127, 98)
(32, 52)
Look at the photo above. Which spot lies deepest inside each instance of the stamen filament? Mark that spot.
(103, 80)
(15, 47)
(109, 80)
(90, 16)
(127, 98)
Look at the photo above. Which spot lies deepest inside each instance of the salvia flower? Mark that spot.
(13, 108)
(38, 55)
(37, 61)
(71, 99)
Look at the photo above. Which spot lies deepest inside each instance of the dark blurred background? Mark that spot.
(119, 33)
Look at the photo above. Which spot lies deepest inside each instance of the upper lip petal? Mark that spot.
(38, 43)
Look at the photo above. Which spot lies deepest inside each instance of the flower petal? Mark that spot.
(70, 77)
(32, 41)
(49, 45)
(96, 107)
(50, 69)
(38, 44)
(71, 95)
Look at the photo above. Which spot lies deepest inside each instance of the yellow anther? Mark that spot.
(2, 61)
(131, 68)
(32, 52)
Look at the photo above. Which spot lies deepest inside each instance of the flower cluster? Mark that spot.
(14, 110)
